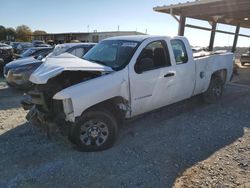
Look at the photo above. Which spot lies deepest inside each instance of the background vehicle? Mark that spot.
(77, 49)
(35, 52)
(38, 43)
(5, 42)
(120, 78)
(17, 72)
(23, 46)
(6, 55)
(14, 46)
(51, 42)
(245, 58)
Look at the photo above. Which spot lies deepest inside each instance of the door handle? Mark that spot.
(169, 74)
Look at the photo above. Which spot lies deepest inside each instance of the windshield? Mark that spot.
(113, 53)
(28, 52)
(59, 49)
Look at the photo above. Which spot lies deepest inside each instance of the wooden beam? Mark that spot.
(217, 31)
(236, 38)
(198, 27)
(212, 37)
(242, 35)
(182, 24)
(174, 16)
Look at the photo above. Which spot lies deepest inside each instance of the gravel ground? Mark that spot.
(188, 144)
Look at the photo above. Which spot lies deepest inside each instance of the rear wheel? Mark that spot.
(96, 130)
(214, 91)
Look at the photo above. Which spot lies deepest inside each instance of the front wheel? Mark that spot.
(214, 91)
(95, 130)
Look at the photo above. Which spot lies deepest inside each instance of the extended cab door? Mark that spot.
(152, 77)
(185, 68)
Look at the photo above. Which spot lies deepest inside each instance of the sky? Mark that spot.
(58, 16)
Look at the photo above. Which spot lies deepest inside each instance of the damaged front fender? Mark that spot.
(77, 98)
(68, 110)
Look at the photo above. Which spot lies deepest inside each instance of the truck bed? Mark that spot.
(208, 64)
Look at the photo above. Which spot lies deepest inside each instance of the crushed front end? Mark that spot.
(51, 113)
(44, 111)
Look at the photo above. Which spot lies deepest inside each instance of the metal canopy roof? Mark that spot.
(232, 12)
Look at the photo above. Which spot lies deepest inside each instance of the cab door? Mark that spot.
(152, 78)
(185, 68)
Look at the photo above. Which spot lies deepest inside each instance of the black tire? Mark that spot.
(214, 91)
(95, 130)
(242, 63)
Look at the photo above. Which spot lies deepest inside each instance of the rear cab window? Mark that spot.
(179, 50)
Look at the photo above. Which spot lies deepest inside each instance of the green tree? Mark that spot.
(23, 33)
(10, 34)
(39, 32)
(2, 32)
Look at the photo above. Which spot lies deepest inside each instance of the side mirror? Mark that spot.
(144, 64)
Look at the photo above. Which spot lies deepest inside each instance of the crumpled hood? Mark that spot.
(55, 65)
(22, 61)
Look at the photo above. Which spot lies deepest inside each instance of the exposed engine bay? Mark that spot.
(39, 99)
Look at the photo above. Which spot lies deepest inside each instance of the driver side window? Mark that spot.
(155, 55)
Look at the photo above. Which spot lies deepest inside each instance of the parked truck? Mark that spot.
(120, 78)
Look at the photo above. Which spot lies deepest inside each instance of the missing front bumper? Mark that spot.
(47, 123)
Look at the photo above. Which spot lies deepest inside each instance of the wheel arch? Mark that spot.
(222, 74)
(118, 106)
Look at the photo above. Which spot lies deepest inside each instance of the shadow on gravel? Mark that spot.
(151, 150)
(10, 98)
(174, 142)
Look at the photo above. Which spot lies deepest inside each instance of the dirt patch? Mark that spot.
(228, 167)
(11, 113)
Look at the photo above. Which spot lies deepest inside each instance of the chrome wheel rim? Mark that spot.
(94, 132)
(217, 90)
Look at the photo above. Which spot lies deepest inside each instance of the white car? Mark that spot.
(120, 78)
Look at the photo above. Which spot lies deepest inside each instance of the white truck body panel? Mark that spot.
(151, 90)
(144, 92)
(91, 92)
(208, 65)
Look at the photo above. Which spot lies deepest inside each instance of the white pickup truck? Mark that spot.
(120, 78)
